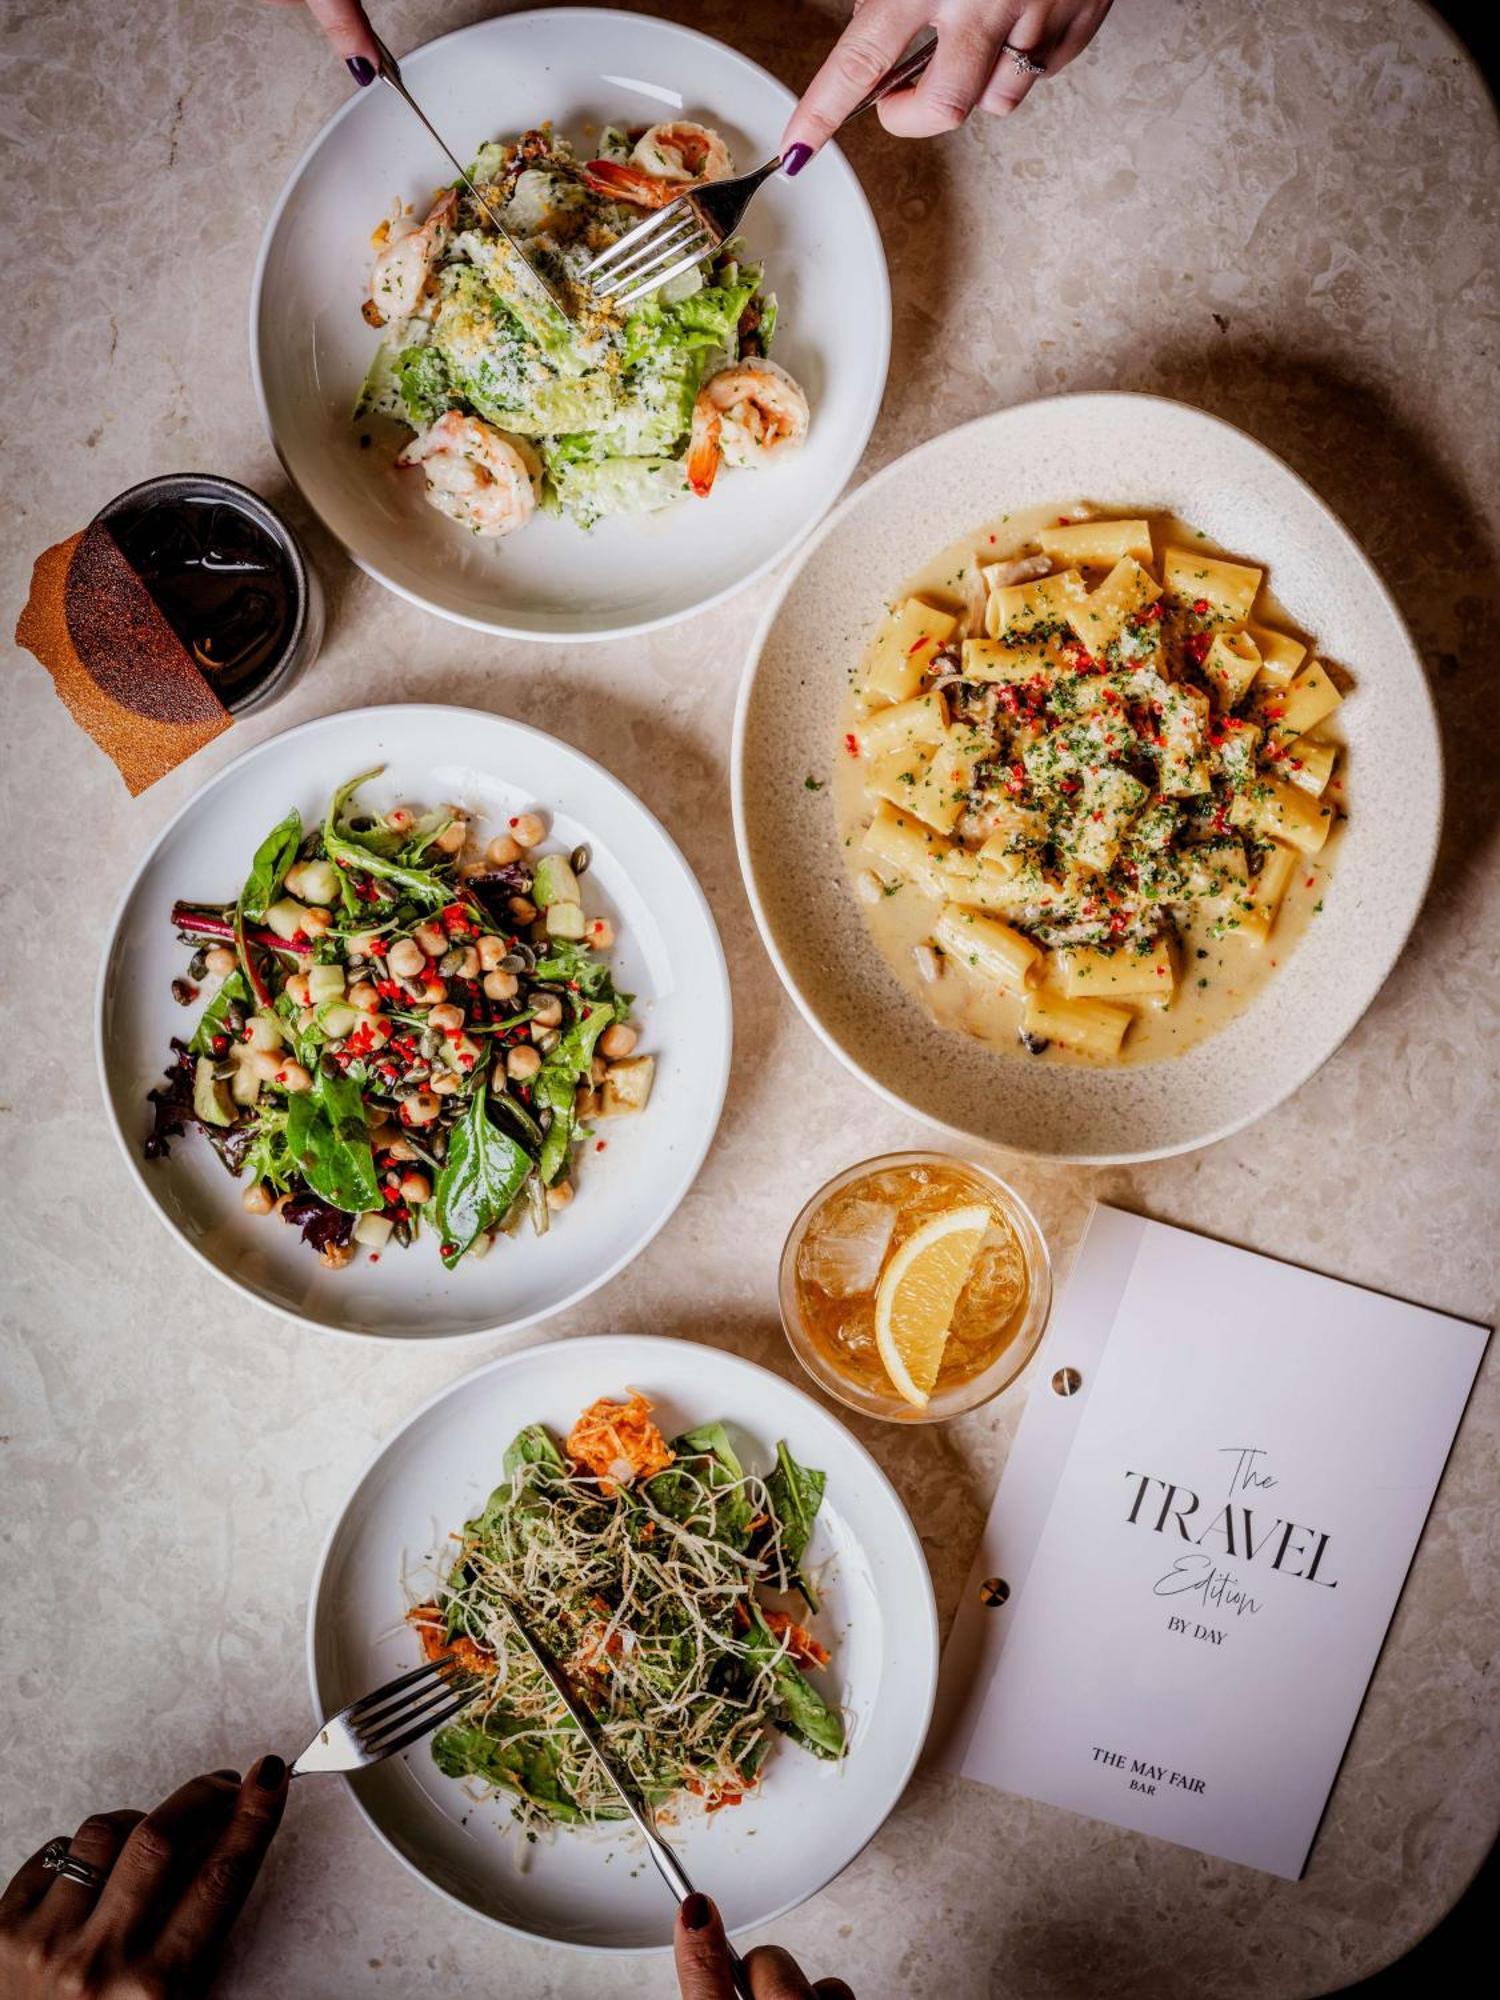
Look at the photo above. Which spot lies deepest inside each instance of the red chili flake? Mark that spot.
(1309, 882)
(1200, 605)
(1099, 814)
(378, 947)
(248, 1035)
(1070, 785)
(219, 1044)
(1196, 647)
(1119, 922)
(374, 1256)
(600, 1144)
(851, 744)
(917, 646)
(993, 539)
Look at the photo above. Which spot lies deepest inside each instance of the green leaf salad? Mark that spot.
(596, 412)
(650, 1570)
(404, 1026)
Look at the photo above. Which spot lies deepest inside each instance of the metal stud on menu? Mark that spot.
(1216, 1492)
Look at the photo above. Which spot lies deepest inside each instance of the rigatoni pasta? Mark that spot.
(1090, 797)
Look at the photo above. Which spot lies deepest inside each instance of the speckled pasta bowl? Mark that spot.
(581, 68)
(1121, 454)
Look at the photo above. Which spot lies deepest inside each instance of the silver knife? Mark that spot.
(668, 1866)
(390, 72)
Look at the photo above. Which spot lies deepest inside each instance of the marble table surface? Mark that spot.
(1284, 214)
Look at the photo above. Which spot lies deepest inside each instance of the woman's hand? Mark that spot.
(974, 65)
(344, 23)
(703, 1967)
(164, 1892)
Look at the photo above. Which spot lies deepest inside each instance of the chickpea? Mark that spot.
(434, 991)
(522, 909)
(264, 1063)
(491, 950)
(452, 838)
(363, 943)
(617, 1041)
(220, 961)
(421, 1108)
(501, 986)
(298, 991)
(317, 922)
(444, 1018)
(337, 1255)
(502, 851)
(292, 1076)
(400, 819)
(432, 938)
(522, 1062)
(468, 964)
(364, 997)
(445, 1083)
(406, 958)
(601, 933)
(547, 1011)
(560, 1195)
(400, 1149)
(257, 1199)
(415, 1189)
(526, 829)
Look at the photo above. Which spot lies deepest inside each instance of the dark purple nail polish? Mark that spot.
(270, 1772)
(697, 1912)
(794, 159)
(361, 69)
(229, 1777)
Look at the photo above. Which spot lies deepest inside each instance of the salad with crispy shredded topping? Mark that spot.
(651, 1569)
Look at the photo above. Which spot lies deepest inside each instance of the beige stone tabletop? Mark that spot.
(1283, 213)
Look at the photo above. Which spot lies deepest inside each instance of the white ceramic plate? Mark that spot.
(580, 67)
(1122, 452)
(668, 954)
(597, 1889)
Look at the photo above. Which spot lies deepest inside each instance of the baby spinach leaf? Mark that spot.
(507, 1752)
(796, 1493)
(352, 850)
(705, 1458)
(273, 857)
(211, 1020)
(532, 1446)
(805, 1716)
(329, 1137)
(484, 1172)
(557, 1083)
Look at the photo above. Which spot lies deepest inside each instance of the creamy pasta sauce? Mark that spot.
(1218, 975)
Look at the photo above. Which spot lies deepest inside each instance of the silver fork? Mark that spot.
(675, 238)
(379, 1724)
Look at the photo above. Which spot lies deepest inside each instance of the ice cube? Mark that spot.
(843, 1255)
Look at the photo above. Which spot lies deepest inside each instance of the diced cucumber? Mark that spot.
(373, 1231)
(244, 1085)
(210, 1097)
(335, 1019)
(314, 881)
(325, 982)
(565, 920)
(286, 917)
(554, 882)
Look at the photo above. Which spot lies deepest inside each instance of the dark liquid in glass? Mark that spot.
(221, 583)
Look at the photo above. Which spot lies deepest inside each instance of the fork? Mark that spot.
(379, 1724)
(675, 238)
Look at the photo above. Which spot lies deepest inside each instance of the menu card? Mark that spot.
(1214, 1495)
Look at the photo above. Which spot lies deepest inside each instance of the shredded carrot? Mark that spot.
(472, 1657)
(804, 1648)
(618, 1442)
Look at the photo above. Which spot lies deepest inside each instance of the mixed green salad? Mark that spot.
(586, 412)
(646, 1569)
(405, 1028)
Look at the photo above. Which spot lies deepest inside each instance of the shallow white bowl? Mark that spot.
(1123, 452)
(580, 67)
(598, 1889)
(668, 956)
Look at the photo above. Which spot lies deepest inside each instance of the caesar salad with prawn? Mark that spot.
(515, 407)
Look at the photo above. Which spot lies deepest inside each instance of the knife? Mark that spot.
(390, 72)
(668, 1866)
